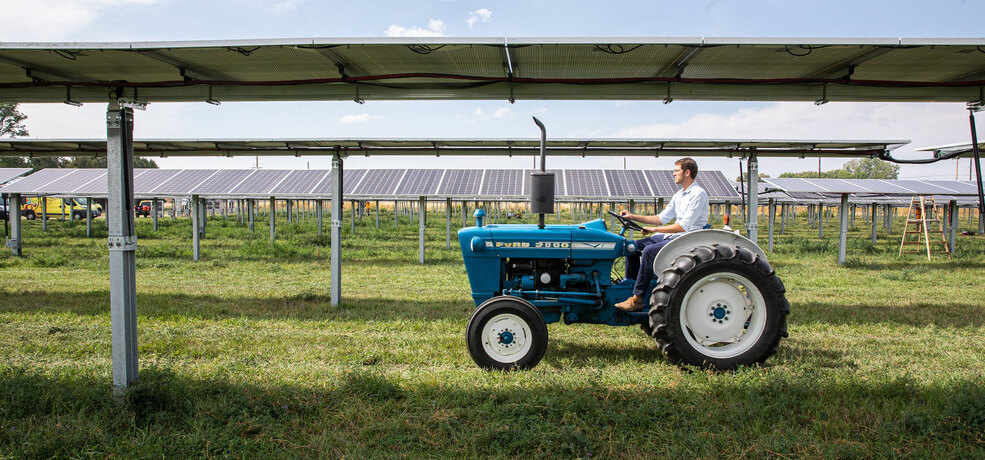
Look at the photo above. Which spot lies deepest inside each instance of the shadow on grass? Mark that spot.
(301, 306)
(949, 314)
(367, 413)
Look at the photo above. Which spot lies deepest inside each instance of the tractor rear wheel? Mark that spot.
(505, 333)
(719, 307)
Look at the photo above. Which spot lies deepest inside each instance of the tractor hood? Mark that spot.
(588, 240)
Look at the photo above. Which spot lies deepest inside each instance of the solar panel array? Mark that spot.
(885, 191)
(373, 183)
(9, 174)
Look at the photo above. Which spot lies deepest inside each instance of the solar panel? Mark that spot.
(36, 181)
(379, 182)
(9, 174)
(222, 182)
(585, 183)
(73, 181)
(350, 177)
(627, 183)
(260, 182)
(420, 182)
(461, 182)
(661, 182)
(145, 180)
(503, 182)
(301, 182)
(98, 185)
(185, 181)
(716, 184)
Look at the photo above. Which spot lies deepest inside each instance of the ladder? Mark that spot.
(923, 213)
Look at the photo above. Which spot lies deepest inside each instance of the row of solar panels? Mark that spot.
(369, 183)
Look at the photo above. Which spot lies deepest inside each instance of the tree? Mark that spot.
(11, 121)
(871, 168)
(100, 162)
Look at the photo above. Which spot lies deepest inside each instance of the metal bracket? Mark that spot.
(113, 119)
(132, 103)
(336, 223)
(123, 243)
(11, 243)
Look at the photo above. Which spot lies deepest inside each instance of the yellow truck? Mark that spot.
(57, 208)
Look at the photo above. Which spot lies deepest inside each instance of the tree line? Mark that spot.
(12, 126)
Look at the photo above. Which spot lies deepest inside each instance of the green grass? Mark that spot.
(242, 356)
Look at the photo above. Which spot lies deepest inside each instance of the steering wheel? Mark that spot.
(626, 223)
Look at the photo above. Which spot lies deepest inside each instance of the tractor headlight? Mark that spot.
(477, 244)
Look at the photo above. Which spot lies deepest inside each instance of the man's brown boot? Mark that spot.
(634, 303)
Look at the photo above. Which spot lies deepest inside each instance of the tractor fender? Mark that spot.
(683, 244)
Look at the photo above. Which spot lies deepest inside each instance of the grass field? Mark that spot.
(242, 356)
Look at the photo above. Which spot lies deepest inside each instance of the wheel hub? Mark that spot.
(506, 337)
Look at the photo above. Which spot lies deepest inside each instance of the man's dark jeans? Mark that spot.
(640, 264)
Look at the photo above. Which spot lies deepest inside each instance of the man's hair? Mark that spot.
(687, 164)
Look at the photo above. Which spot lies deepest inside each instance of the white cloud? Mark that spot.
(50, 20)
(501, 113)
(479, 15)
(436, 28)
(358, 118)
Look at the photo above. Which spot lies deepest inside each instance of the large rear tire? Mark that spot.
(30, 215)
(719, 307)
(505, 333)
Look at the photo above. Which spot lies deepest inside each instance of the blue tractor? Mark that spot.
(717, 303)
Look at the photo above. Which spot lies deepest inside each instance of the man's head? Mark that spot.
(685, 171)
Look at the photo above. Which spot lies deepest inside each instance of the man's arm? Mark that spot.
(672, 228)
(653, 220)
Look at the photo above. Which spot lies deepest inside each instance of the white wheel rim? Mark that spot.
(723, 315)
(506, 338)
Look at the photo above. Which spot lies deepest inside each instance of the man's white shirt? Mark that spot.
(690, 207)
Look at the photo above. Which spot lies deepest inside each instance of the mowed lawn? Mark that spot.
(241, 355)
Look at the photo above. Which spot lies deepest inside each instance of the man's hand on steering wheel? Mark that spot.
(626, 222)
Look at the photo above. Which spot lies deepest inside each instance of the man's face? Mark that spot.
(678, 175)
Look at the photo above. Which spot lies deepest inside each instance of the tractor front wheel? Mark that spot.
(719, 307)
(505, 333)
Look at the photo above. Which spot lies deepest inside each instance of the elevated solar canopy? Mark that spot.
(872, 187)
(506, 68)
(476, 184)
(128, 74)
(467, 147)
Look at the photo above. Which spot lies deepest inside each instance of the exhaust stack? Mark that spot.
(542, 183)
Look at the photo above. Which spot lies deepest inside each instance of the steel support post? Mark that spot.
(819, 218)
(63, 210)
(752, 199)
(122, 244)
(273, 217)
(465, 214)
(290, 207)
(422, 216)
(784, 211)
(318, 215)
(251, 210)
(352, 207)
(336, 256)
(872, 217)
(772, 207)
(843, 231)
(447, 223)
(89, 217)
(952, 234)
(632, 210)
(196, 227)
(14, 215)
(376, 205)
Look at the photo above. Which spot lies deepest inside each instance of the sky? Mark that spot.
(171, 20)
